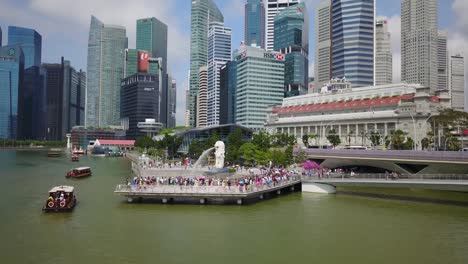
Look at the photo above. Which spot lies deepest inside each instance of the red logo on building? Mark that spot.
(143, 61)
(279, 56)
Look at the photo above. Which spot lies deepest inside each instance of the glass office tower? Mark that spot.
(11, 76)
(292, 39)
(203, 12)
(106, 59)
(254, 32)
(352, 31)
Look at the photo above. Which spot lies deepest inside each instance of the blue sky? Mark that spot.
(64, 26)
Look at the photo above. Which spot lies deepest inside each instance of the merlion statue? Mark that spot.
(219, 154)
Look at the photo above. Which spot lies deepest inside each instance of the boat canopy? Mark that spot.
(63, 188)
(82, 168)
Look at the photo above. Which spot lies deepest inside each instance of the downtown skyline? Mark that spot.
(58, 41)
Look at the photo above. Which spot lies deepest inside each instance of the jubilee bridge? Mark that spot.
(406, 162)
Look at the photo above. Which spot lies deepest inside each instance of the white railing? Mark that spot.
(182, 189)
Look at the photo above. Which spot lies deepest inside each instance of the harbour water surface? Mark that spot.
(297, 228)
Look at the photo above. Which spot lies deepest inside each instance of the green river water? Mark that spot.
(295, 228)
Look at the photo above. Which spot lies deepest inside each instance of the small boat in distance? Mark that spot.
(61, 199)
(75, 158)
(79, 172)
(79, 151)
(53, 154)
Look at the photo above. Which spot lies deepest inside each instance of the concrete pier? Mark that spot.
(206, 194)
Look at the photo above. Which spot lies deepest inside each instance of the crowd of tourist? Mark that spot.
(259, 178)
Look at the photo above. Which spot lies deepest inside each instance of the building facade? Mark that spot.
(140, 100)
(442, 61)
(457, 82)
(31, 44)
(272, 8)
(82, 137)
(419, 39)
(11, 77)
(292, 39)
(152, 37)
(106, 63)
(259, 85)
(383, 54)
(64, 90)
(0, 36)
(352, 34)
(202, 98)
(172, 103)
(219, 53)
(228, 84)
(203, 12)
(322, 65)
(356, 113)
(254, 31)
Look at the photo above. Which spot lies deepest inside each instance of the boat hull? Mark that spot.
(79, 175)
(57, 209)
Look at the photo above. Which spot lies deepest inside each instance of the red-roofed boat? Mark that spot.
(79, 172)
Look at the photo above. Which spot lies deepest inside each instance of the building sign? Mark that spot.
(266, 55)
(143, 61)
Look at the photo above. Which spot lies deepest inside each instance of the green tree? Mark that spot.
(144, 142)
(248, 153)
(210, 142)
(282, 139)
(234, 142)
(305, 140)
(375, 138)
(196, 148)
(314, 137)
(397, 139)
(425, 142)
(300, 157)
(409, 144)
(262, 140)
(277, 157)
(333, 138)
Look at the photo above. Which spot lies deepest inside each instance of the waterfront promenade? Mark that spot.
(238, 193)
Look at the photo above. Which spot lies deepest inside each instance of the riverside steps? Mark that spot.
(207, 194)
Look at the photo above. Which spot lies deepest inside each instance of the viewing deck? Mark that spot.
(206, 194)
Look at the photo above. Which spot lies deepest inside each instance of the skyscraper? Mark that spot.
(31, 44)
(352, 51)
(106, 58)
(322, 44)
(203, 12)
(259, 85)
(292, 39)
(228, 83)
(152, 37)
(140, 99)
(442, 61)
(202, 98)
(383, 54)
(172, 103)
(457, 82)
(254, 31)
(419, 39)
(273, 7)
(65, 88)
(219, 53)
(0, 36)
(11, 76)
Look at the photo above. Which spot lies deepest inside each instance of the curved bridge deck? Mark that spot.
(434, 182)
